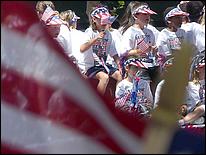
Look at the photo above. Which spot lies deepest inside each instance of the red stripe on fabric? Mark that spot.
(66, 112)
(10, 149)
(34, 90)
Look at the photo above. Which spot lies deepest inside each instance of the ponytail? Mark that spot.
(128, 19)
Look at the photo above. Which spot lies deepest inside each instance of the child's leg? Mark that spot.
(103, 81)
(117, 76)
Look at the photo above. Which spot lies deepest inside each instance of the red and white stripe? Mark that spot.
(48, 13)
(143, 9)
(47, 107)
(142, 45)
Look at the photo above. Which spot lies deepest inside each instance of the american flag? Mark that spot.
(142, 45)
(108, 19)
(47, 14)
(46, 105)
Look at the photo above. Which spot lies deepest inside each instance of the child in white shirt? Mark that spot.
(97, 47)
(138, 40)
(57, 29)
(171, 38)
(132, 93)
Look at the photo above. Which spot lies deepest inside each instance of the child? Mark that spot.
(126, 18)
(41, 7)
(195, 33)
(71, 20)
(171, 38)
(97, 47)
(70, 17)
(140, 41)
(195, 101)
(57, 29)
(133, 94)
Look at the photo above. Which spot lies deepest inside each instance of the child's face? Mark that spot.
(98, 24)
(143, 18)
(176, 21)
(132, 70)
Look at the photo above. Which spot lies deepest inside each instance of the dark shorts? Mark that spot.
(91, 72)
(151, 73)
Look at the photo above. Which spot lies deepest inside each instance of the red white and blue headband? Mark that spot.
(74, 18)
(134, 62)
(175, 12)
(144, 9)
(103, 14)
(100, 12)
(50, 17)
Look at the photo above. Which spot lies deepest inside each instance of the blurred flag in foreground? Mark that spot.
(46, 105)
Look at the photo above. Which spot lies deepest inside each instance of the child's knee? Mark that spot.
(104, 78)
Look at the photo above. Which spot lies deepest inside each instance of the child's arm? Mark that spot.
(91, 42)
(190, 117)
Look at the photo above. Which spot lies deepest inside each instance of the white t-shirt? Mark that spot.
(154, 30)
(192, 94)
(100, 49)
(124, 87)
(64, 39)
(195, 35)
(168, 41)
(131, 39)
(192, 97)
(77, 40)
(116, 35)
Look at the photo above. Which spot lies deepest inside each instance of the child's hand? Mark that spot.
(154, 49)
(101, 35)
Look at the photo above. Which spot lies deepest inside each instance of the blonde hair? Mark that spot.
(91, 21)
(67, 17)
(42, 5)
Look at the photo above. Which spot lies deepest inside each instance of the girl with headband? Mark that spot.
(97, 46)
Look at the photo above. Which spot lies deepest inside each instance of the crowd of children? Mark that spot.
(136, 54)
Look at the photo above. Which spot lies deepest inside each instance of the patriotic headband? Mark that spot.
(75, 18)
(103, 14)
(143, 9)
(54, 20)
(175, 12)
(100, 12)
(50, 17)
(135, 62)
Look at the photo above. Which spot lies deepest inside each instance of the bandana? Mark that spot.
(135, 62)
(175, 12)
(143, 9)
(75, 18)
(103, 14)
(50, 17)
